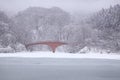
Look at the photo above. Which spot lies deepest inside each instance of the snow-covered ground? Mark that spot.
(39, 54)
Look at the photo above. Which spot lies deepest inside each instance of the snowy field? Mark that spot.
(61, 55)
(59, 66)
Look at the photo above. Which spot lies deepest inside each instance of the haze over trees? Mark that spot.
(100, 30)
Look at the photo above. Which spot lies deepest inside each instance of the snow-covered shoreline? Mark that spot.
(60, 55)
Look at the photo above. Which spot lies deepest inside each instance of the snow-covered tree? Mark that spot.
(7, 37)
(107, 21)
(40, 24)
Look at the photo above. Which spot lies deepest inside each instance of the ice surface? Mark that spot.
(58, 69)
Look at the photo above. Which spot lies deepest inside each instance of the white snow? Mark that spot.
(39, 54)
(6, 50)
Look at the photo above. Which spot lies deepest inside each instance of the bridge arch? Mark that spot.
(52, 45)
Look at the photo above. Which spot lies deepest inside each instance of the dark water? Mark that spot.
(58, 69)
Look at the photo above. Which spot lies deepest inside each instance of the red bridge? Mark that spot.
(52, 45)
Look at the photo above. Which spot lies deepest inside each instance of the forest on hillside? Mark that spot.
(100, 30)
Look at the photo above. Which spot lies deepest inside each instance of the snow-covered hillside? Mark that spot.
(39, 54)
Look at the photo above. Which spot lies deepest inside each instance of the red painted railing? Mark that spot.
(52, 45)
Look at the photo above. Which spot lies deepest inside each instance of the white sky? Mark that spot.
(84, 6)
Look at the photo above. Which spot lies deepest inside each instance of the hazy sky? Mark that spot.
(84, 6)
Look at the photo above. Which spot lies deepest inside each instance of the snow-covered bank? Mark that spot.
(60, 55)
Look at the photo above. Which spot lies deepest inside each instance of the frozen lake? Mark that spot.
(58, 69)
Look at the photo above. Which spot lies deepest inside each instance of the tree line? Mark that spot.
(100, 30)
